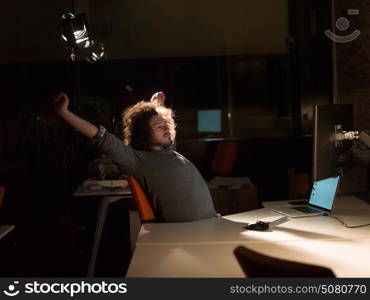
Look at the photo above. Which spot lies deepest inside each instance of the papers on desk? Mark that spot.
(105, 185)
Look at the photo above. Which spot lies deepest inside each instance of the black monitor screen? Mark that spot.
(328, 160)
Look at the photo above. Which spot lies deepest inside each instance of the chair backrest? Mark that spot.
(255, 264)
(299, 185)
(146, 212)
(2, 192)
(225, 157)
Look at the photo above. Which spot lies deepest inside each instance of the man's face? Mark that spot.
(161, 131)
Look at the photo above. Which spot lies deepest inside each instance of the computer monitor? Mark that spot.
(330, 160)
(209, 120)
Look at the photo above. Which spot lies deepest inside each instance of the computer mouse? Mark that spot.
(259, 226)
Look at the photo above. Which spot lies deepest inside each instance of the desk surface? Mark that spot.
(205, 248)
(347, 258)
(5, 229)
(230, 228)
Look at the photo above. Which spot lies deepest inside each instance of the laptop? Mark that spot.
(321, 200)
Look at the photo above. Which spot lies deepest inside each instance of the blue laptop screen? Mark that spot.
(323, 192)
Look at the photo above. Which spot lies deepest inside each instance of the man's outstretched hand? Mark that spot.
(61, 102)
(159, 97)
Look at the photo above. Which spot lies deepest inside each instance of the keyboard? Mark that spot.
(307, 209)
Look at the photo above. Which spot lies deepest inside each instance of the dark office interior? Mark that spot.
(262, 64)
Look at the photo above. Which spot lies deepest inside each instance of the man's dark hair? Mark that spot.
(135, 121)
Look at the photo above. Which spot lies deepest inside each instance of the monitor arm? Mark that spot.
(341, 135)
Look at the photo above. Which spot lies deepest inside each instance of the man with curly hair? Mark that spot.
(175, 187)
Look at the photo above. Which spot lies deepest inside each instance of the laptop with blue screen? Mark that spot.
(321, 200)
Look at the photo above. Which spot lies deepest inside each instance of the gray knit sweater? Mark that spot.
(176, 188)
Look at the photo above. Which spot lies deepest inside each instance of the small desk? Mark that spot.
(5, 229)
(6, 247)
(205, 248)
(107, 197)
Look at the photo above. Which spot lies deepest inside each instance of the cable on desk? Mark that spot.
(348, 226)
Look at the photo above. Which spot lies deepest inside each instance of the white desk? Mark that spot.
(5, 229)
(205, 248)
(108, 196)
(347, 258)
(230, 228)
(108, 188)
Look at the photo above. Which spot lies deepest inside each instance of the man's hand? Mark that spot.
(159, 97)
(61, 103)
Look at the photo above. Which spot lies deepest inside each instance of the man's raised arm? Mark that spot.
(61, 103)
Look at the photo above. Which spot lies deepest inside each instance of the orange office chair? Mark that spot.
(255, 264)
(225, 157)
(146, 212)
(2, 192)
